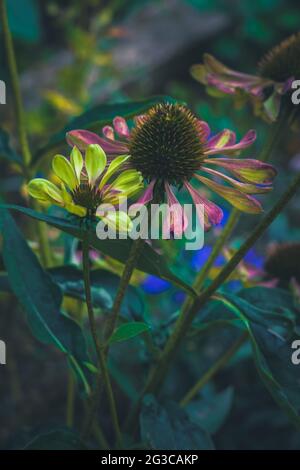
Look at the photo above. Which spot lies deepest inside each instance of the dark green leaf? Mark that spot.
(149, 261)
(95, 118)
(58, 439)
(210, 412)
(128, 330)
(271, 336)
(170, 428)
(104, 285)
(40, 297)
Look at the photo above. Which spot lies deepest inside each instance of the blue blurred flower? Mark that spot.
(253, 258)
(201, 256)
(155, 285)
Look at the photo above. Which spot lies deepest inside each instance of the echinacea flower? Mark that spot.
(275, 73)
(87, 183)
(169, 146)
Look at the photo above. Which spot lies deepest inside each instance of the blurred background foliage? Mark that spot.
(73, 55)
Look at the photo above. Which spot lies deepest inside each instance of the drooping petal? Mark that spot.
(241, 201)
(147, 196)
(121, 127)
(75, 209)
(217, 76)
(218, 67)
(113, 167)
(44, 190)
(65, 171)
(95, 162)
(248, 170)
(247, 188)
(214, 213)
(83, 138)
(225, 142)
(176, 221)
(76, 161)
(117, 220)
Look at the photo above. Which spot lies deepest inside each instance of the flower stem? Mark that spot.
(183, 323)
(134, 253)
(21, 127)
(70, 400)
(98, 346)
(13, 71)
(214, 369)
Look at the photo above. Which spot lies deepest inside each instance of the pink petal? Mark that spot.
(241, 201)
(247, 188)
(204, 129)
(215, 66)
(220, 140)
(121, 127)
(83, 138)
(213, 212)
(147, 196)
(108, 132)
(224, 142)
(248, 170)
(220, 84)
(176, 222)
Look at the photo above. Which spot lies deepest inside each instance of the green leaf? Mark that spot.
(127, 331)
(98, 116)
(170, 428)
(57, 439)
(41, 298)
(271, 336)
(210, 412)
(6, 151)
(149, 261)
(104, 285)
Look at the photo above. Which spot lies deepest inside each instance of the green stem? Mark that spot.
(129, 267)
(70, 400)
(214, 369)
(21, 127)
(12, 64)
(41, 227)
(98, 346)
(183, 323)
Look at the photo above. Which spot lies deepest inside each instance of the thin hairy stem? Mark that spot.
(98, 346)
(70, 400)
(129, 267)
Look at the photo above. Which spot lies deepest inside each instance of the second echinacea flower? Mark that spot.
(275, 73)
(87, 183)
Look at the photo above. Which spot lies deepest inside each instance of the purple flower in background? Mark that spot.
(276, 72)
